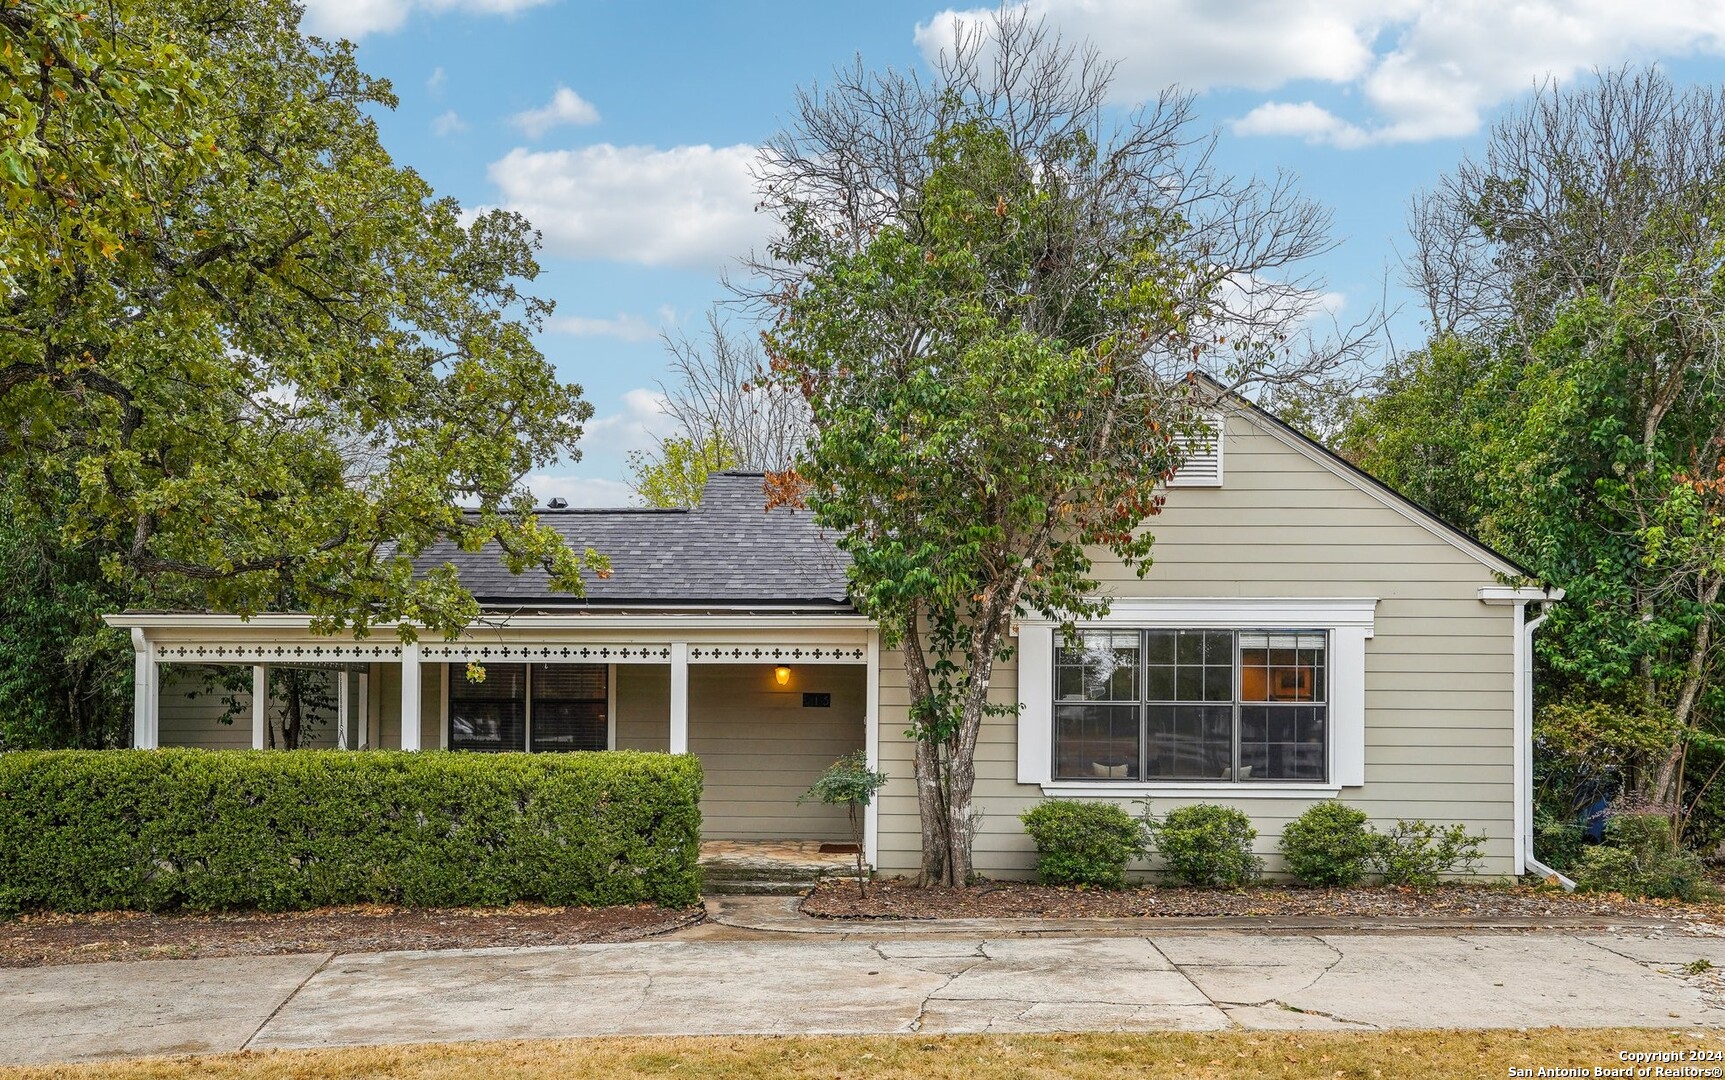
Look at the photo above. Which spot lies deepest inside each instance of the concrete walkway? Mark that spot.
(1172, 979)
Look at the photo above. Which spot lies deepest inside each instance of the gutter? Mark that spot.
(1525, 860)
(1534, 866)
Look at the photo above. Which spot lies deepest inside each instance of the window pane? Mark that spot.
(1096, 742)
(569, 707)
(1104, 667)
(489, 715)
(1159, 684)
(1189, 742)
(1283, 742)
(1282, 666)
(1218, 684)
(1159, 646)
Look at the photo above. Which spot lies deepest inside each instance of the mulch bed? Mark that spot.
(35, 940)
(902, 899)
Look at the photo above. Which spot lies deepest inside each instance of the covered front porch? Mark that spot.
(765, 701)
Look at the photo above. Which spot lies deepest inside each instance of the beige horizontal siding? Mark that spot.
(760, 748)
(1438, 669)
(643, 707)
(191, 715)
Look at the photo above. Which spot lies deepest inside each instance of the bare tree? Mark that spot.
(1571, 192)
(721, 391)
(1246, 299)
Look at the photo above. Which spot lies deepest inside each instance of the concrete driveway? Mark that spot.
(1171, 980)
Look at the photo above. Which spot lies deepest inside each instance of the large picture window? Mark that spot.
(1202, 705)
(541, 707)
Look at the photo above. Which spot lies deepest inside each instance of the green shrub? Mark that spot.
(1557, 841)
(1641, 857)
(1417, 852)
(1206, 845)
(165, 829)
(1330, 844)
(1083, 843)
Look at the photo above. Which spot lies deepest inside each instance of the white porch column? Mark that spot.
(146, 695)
(679, 697)
(341, 736)
(260, 706)
(410, 696)
(871, 745)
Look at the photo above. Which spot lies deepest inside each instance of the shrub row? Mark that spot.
(1203, 844)
(1641, 856)
(164, 829)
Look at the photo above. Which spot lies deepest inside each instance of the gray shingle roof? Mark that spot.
(727, 551)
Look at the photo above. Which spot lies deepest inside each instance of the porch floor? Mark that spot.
(731, 867)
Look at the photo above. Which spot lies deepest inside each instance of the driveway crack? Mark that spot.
(315, 972)
(922, 1009)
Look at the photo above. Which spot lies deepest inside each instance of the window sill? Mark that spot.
(1244, 790)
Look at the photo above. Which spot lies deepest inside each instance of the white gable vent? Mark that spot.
(1203, 464)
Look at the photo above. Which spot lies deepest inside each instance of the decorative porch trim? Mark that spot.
(768, 654)
(609, 653)
(226, 652)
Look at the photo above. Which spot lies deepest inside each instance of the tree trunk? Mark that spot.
(931, 811)
(930, 777)
(291, 713)
(1668, 784)
(961, 823)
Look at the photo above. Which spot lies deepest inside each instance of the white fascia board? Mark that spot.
(1231, 612)
(1509, 594)
(286, 621)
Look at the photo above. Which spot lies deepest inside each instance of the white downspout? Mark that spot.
(1525, 725)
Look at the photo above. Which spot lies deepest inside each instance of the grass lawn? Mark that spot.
(1389, 1055)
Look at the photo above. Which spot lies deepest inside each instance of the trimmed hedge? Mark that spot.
(215, 830)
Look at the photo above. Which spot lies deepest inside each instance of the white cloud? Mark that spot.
(1421, 69)
(636, 426)
(1258, 44)
(356, 18)
(623, 326)
(579, 490)
(689, 206)
(434, 84)
(1305, 120)
(450, 123)
(565, 107)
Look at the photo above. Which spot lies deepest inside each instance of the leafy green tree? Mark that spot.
(269, 364)
(994, 318)
(850, 783)
(65, 677)
(676, 473)
(1419, 432)
(1569, 406)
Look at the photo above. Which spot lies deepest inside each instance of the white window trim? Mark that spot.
(1348, 620)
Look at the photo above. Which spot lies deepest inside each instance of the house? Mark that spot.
(1304, 634)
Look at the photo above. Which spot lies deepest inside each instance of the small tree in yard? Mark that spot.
(850, 783)
(994, 312)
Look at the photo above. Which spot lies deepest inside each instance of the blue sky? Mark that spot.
(625, 130)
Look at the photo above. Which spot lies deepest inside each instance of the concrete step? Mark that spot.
(754, 887)
(766, 872)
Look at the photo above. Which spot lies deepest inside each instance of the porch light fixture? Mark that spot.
(782, 674)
